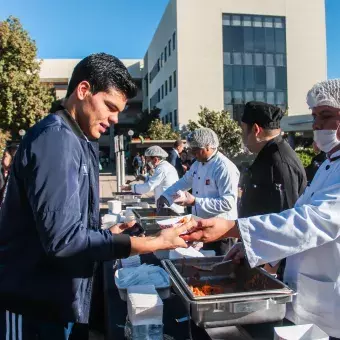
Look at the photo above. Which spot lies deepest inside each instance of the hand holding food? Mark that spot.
(184, 198)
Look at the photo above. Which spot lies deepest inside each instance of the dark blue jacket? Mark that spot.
(49, 224)
(175, 160)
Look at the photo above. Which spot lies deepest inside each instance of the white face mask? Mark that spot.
(150, 165)
(326, 140)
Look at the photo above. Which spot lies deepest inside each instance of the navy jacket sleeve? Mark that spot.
(173, 158)
(51, 165)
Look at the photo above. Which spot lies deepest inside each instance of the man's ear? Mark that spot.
(257, 129)
(83, 89)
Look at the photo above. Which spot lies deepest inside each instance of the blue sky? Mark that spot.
(74, 28)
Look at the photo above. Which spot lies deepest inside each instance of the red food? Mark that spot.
(206, 290)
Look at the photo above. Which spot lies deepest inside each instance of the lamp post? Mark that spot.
(22, 133)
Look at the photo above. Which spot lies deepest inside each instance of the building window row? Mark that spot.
(171, 46)
(253, 21)
(171, 118)
(167, 87)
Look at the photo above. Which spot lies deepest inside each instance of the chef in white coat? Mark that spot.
(307, 235)
(163, 177)
(213, 179)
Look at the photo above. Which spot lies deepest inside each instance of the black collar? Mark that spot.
(334, 159)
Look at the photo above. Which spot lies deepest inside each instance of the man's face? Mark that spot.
(326, 118)
(201, 154)
(95, 113)
(180, 148)
(6, 160)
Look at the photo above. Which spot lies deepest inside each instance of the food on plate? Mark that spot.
(206, 290)
(182, 221)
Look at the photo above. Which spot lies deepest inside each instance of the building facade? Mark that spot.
(222, 53)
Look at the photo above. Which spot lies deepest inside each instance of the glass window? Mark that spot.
(228, 76)
(237, 97)
(174, 40)
(280, 60)
(227, 97)
(229, 109)
(259, 96)
(249, 77)
(260, 41)
(238, 111)
(158, 95)
(169, 47)
(232, 39)
(257, 21)
(268, 22)
(280, 40)
(162, 91)
(175, 118)
(271, 78)
(270, 98)
(248, 39)
(170, 117)
(226, 20)
(249, 96)
(281, 78)
(237, 77)
(175, 79)
(248, 59)
(280, 98)
(166, 119)
(166, 87)
(269, 59)
(170, 83)
(278, 23)
(270, 39)
(260, 77)
(247, 21)
(227, 58)
(165, 54)
(236, 20)
(259, 59)
(162, 59)
(237, 58)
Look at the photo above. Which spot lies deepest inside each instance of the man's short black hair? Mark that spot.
(103, 71)
(178, 143)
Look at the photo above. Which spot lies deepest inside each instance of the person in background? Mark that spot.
(164, 176)
(50, 236)
(316, 162)
(175, 158)
(213, 179)
(143, 168)
(137, 164)
(6, 162)
(276, 178)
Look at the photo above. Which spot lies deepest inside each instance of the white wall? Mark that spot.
(200, 49)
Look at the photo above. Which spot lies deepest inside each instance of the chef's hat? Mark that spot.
(202, 138)
(326, 93)
(154, 151)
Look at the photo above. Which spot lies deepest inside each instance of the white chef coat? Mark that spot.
(164, 176)
(309, 236)
(214, 185)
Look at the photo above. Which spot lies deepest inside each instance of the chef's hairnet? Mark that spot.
(325, 93)
(202, 138)
(155, 150)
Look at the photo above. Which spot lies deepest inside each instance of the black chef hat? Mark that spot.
(265, 115)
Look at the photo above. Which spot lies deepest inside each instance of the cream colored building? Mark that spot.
(224, 53)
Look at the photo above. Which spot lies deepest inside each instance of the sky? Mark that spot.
(124, 28)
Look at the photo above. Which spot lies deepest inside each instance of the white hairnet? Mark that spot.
(202, 138)
(325, 93)
(155, 150)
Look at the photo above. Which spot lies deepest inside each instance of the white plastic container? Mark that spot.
(115, 207)
(300, 332)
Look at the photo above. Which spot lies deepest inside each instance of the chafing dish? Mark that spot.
(249, 296)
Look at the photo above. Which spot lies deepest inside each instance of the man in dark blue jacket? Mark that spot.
(175, 157)
(50, 236)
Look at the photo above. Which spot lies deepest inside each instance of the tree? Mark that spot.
(4, 137)
(227, 129)
(24, 100)
(145, 120)
(160, 131)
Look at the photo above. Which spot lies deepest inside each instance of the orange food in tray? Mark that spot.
(206, 290)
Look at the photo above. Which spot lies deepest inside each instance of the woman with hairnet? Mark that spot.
(213, 179)
(164, 176)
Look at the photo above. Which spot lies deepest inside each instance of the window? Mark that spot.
(166, 87)
(237, 58)
(232, 39)
(175, 79)
(247, 21)
(259, 38)
(257, 22)
(227, 97)
(166, 119)
(238, 77)
(271, 98)
(158, 95)
(174, 41)
(165, 54)
(281, 78)
(175, 118)
(248, 59)
(248, 34)
(162, 59)
(269, 60)
(170, 83)
(270, 39)
(270, 77)
(169, 47)
(236, 20)
(259, 96)
(260, 77)
(162, 91)
(259, 59)
(227, 58)
(280, 41)
(237, 97)
(170, 118)
(249, 77)
(228, 77)
(249, 96)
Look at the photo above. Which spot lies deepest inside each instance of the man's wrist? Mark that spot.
(144, 245)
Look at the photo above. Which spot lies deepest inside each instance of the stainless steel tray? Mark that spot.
(229, 309)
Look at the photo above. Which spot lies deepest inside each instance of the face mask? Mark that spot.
(150, 165)
(326, 140)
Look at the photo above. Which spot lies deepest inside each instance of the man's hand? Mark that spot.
(120, 227)
(184, 199)
(210, 230)
(162, 202)
(129, 181)
(125, 188)
(236, 253)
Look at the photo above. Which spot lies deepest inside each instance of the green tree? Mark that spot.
(227, 129)
(145, 120)
(24, 100)
(4, 137)
(160, 131)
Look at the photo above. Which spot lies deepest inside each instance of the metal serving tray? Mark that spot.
(250, 306)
